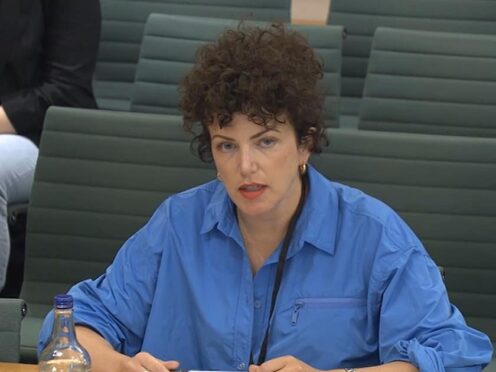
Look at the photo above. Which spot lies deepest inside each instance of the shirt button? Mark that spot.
(257, 304)
(242, 366)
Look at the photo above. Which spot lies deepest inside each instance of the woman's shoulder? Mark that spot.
(182, 211)
(195, 199)
(361, 213)
(343, 198)
(369, 227)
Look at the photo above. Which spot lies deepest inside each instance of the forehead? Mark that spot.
(241, 123)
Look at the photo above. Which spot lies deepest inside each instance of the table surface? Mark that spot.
(18, 367)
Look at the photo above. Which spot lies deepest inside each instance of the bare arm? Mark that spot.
(5, 124)
(105, 358)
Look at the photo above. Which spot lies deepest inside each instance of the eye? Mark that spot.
(226, 146)
(267, 142)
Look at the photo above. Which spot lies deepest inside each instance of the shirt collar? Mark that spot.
(220, 213)
(318, 221)
(317, 224)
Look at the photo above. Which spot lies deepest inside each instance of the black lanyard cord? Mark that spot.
(280, 270)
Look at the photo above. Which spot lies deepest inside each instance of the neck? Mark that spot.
(260, 227)
(262, 234)
(261, 239)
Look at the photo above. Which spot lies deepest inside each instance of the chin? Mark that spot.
(253, 210)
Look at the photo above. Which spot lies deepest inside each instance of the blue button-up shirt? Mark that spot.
(358, 289)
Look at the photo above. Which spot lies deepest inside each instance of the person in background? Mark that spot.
(271, 267)
(47, 57)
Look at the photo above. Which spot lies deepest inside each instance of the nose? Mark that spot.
(247, 162)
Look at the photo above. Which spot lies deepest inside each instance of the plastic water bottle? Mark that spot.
(63, 353)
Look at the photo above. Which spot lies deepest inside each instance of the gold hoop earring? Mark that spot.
(303, 168)
(219, 177)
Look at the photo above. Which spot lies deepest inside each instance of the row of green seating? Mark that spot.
(417, 81)
(169, 47)
(123, 22)
(101, 174)
(132, 58)
(430, 82)
(361, 18)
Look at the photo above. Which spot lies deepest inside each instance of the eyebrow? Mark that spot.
(261, 133)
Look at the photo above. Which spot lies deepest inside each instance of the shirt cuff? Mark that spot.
(425, 358)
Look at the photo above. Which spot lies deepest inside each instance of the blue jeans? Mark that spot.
(17, 162)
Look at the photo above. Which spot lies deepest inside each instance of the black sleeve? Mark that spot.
(70, 46)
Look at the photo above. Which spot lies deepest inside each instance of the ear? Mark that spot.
(307, 141)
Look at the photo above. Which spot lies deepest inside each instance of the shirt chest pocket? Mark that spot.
(321, 310)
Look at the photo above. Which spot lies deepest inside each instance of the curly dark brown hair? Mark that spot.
(260, 72)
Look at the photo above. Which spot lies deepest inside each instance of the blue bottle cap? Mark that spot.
(63, 301)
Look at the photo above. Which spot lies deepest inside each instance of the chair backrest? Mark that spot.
(99, 177)
(444, 187)
(362, 17)
(123, 22)
(431, 82)
(12, 310)
(169, 49)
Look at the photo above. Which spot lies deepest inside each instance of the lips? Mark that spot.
(252, 190)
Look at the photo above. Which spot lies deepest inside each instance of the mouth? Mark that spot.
(252, 190)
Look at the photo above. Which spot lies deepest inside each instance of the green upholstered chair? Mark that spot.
(12, 312)
(169, 48)
(362, 17)
(431, 82)
(445, 188)
(99, 177)
(123, 22)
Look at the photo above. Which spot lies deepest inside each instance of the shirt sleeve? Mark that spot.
(419, 325)
(117, 304)
(70, 46)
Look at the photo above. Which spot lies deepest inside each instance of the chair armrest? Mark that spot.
(12, 311)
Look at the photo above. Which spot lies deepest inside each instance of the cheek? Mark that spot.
(219, 161)
(292, 158)
(284, 168)
(226, 167)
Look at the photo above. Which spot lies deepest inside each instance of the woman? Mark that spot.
(271, 267)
